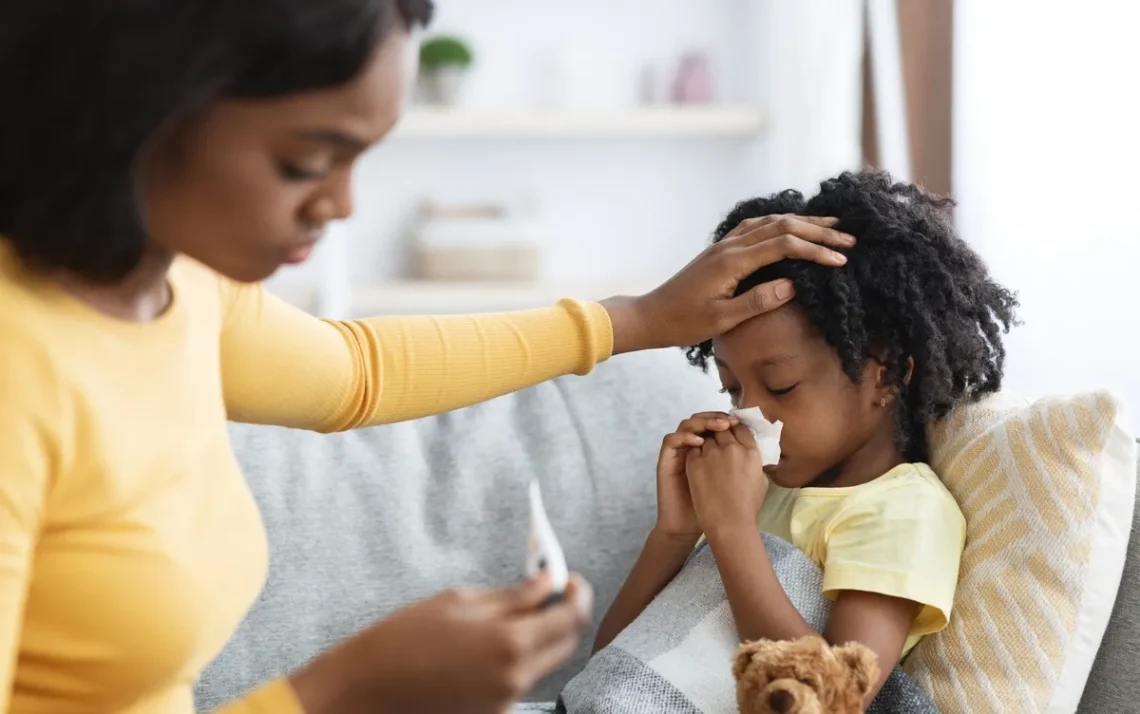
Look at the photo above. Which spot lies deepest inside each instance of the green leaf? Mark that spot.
(444, 51)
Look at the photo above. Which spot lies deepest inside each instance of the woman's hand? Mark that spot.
(676, 515)
(727, 481)
(464, 651)
(697, 303)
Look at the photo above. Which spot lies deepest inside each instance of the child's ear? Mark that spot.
(909, 370)
(883, 393)
(886, 393)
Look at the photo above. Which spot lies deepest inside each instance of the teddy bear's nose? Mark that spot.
(781, 701)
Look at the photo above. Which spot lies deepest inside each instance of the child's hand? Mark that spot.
(676, 516)
(726, 480)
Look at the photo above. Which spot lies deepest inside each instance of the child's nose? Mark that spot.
(751, 399)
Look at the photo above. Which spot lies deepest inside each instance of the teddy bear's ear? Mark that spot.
(862, 663)
(742, 659)
(750, 655)
(759, 654)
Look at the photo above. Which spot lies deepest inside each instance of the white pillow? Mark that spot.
(1048, 490)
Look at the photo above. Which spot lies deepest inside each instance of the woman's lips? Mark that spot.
(299, 254)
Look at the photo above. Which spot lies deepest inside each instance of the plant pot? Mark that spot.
(443, 85)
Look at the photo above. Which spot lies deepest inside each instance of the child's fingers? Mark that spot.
(681, 440)
(706, 422)
(744, 435)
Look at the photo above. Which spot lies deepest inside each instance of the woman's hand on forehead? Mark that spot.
(700, 301)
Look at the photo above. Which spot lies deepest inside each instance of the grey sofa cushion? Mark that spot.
(1114, 684)
(363, 522)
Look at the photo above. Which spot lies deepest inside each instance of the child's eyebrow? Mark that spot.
(769, 361)
(773, 360)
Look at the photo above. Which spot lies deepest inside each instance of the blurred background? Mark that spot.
(554, 148)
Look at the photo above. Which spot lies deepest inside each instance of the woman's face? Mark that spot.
(249, 185)
(780, 363)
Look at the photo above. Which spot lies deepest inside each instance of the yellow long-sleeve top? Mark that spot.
(130, 545)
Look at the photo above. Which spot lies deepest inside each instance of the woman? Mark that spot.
(159, 159)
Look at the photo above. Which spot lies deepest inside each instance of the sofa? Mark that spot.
(363, 522)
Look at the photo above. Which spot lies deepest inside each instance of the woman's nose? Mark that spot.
(335, 201)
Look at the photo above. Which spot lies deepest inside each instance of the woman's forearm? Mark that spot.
(285, 367)
(759, 604)
(660, 561)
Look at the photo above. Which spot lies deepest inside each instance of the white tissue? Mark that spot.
(543, 551)
(767, 433)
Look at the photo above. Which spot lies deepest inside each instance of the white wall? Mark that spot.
(612, 208)
(623, 209)
(1047, 173)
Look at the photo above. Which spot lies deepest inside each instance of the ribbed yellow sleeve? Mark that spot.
(282, 366)
(276, 697)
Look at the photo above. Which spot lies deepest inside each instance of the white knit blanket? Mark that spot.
(677, 656)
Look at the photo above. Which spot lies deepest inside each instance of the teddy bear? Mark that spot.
(804, 676)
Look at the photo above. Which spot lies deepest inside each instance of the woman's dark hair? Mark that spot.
(86, 84)
(911, 290)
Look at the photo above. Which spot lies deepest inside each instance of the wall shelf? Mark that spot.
(433, 297)
(709, 121)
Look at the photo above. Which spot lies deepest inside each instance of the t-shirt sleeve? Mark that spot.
(285, 367)
(905, 542)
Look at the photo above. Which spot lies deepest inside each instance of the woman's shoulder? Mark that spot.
(25, 316)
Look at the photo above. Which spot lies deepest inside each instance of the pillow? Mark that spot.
(1048, 490)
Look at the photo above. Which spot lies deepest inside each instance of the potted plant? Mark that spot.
(444, 61)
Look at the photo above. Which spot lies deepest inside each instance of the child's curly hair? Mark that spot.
(911, 289)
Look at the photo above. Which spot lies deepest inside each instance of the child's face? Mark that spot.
(780, 363)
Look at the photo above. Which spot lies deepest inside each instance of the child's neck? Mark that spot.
(875, 457)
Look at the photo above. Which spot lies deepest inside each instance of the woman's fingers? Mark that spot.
(527, 596)
(810, 228)
(753, 256)
(771, 295)
(551, 635)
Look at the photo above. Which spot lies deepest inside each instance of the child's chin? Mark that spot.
(786, 475)
(780, 475)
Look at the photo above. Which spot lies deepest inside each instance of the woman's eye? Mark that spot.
(781, 392)
(292, 172)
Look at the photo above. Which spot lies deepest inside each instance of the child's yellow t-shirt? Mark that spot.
(900, 535)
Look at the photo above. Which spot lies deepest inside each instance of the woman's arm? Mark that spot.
(32, 419)
(762, 609)
(282, 366)
(661, 559)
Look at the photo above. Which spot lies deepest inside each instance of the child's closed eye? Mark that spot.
(781, 392)
(733, 394)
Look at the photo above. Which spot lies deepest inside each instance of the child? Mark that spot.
(856, 367)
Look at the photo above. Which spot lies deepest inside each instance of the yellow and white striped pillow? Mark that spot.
(1047, 490)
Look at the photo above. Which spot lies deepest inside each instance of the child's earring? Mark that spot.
(883, 402)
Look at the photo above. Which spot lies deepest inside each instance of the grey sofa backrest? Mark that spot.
(1114, 685)
(363, 522)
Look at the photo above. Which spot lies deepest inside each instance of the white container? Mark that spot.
(476, 243)
(442, 86)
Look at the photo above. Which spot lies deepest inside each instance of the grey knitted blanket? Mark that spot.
(677, 656)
